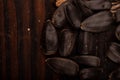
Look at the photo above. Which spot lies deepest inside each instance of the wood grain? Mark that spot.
(2, 42)
(39, 18)
(21, 27)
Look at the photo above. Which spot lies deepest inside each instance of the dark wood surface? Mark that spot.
(21, 24)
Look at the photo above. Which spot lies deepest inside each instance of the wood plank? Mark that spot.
(7, 40)
(20, 47)
(26, 38)
(2, 41)
(39, 11)
(13, 39)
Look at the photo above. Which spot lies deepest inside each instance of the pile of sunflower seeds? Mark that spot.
(84, 37)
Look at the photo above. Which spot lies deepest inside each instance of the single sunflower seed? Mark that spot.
(63, 66)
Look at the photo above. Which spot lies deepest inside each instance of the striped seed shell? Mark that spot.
(59, 18)
(115, 75)
(118, 16)
(98, 4)
(73, 16)
(63, 66)
(87, 60)
(51, 39)
(87, 43)
(117, 32)
(82, 8)
(67, 42)
(114, 53)
(90, 74)
(98, 22)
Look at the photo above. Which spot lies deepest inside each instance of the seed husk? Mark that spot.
(63, 66)
(87, 43)
(118, 15)
(114, 52)
(51, 39)
(83, 9)
(59, 2)
(73, 16)
(98, 22)
(117, 32)
(115, 75)
(98, 4)
(88, 60)
(115, 2)
(67, 42)
(91, 74)
(59, 18)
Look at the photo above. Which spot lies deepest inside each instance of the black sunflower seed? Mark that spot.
(91, 74)
(117, 32)
(98, 4)
(114, 52)
(67, 42)
(118, 16)
(88, 60)
(115, 75)
(59, 18)
(73, 16)
(51, 39)
(63, 66)
(98, 22)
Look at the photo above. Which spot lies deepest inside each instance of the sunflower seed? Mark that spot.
(88, 60)
(63, 66)
(115, 75)
(114, 53)
(51, 39)
(117, 32)
(73, 16)
(67, 42)
(98, 22)
(98, 4)
(91, 74)
(59, 18)
(118, 16)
